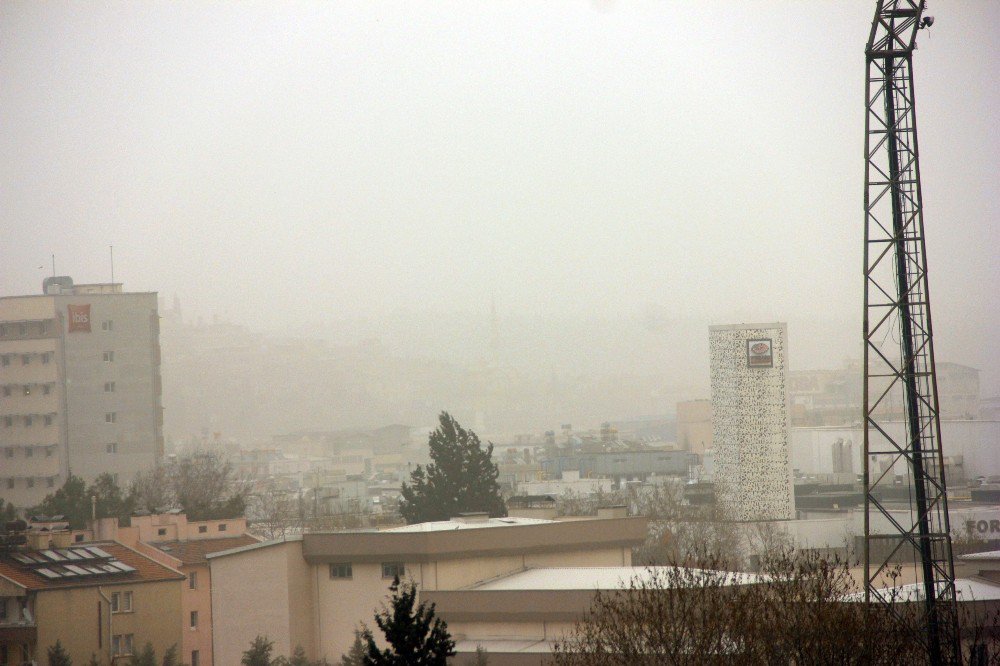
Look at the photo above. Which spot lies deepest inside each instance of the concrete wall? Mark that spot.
(252, 594)
(134, 340)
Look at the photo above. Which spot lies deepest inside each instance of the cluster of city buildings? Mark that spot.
(81, 393)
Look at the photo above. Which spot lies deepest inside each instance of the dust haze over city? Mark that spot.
(525, 213)
(514, 333)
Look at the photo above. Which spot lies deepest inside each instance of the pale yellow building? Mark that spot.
(314, 590)
(97, 599)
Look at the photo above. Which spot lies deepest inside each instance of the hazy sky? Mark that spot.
(307, 161)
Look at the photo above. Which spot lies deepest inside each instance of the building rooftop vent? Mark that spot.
(474, 517)
(57, 284)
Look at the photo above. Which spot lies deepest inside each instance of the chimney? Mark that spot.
(39, 540)
(61, 539)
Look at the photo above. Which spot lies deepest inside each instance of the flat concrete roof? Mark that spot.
(524, 535)
(606, 578)
(746, 327)
(448, 525)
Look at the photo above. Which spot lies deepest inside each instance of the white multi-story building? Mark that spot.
(750, 421)
(79, 387)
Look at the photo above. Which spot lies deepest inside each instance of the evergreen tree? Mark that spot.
(73, 501)
(170, 656)
(111, 501)
(415, 637)
(299, 658)
(461, 478)
(259, 653)
(70, 501)
(7, 511)
(146, 656)
(58, 655)
(356, 655)
(93, 660)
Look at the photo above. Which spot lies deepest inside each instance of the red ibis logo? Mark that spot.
(79, 318)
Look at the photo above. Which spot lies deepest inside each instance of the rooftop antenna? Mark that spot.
(112, 249)
(53, 264)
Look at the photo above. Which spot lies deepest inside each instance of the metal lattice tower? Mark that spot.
(902, 439)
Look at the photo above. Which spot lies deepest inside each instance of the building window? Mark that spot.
(194, 619)
(110, 417)
(111, 447)
(6, 391)
(107, 325)
(31, 482)
(193, 580)
(9, 452)
(29, 452)
(222, 527)
(161, 532)
(341, 570)
(10, 484)
(47, 419)
(50, 482)
(46, 389)
(5, 360)
(8, 421)
(121, 602)
(25, 359)
(78, 538)
(202, 529)
(48, 451)
(121, 645)
(195, 658)
(23, 328)
(109, 387)
(28, 420)
(109, 357)
(46, 357)
(393, 569)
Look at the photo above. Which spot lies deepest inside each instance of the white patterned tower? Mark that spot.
(750, 421)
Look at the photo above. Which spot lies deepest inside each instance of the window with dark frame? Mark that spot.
(393, 569)
(341, 570)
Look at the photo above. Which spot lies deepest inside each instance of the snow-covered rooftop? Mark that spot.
(978, 557)
(460, 524)
(966, 589)
(610, 578)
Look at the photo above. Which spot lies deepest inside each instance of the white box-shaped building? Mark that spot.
(750, 424)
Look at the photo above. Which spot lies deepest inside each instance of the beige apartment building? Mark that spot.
(315, 589)
(694, 425)
(98, 599)
(79, 386)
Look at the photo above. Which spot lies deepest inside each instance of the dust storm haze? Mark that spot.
(525, 213)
